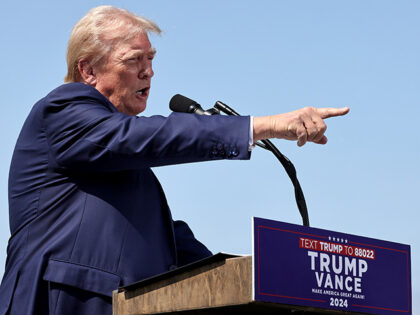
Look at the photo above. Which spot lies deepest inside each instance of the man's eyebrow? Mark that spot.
(150, 52)
(138, 52)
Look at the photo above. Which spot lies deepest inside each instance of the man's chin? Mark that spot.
(139, 105)
(139, 108)
(133, 108)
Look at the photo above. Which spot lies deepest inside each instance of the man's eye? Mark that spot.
(133, 59)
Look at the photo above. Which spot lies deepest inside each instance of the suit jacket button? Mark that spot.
(213, 152)
(235, 151)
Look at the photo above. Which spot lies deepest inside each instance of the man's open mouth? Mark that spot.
(142, 91)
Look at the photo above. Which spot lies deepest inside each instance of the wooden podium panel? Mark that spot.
(219, 287)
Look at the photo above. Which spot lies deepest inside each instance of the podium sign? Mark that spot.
(298, 265)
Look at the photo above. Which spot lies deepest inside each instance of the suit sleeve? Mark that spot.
(85, 134)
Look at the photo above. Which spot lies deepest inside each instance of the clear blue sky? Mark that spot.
(260, 57)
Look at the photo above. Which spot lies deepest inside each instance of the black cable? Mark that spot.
(287, 164)
(291, 171)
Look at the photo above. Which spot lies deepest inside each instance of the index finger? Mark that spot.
(332, 112)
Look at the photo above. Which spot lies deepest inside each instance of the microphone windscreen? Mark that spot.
(182, 104)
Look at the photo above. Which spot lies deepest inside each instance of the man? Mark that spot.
(87, 214)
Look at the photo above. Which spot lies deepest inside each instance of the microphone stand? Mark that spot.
(287, 164)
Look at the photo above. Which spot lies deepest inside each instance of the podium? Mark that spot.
(221, 284)
(293, 269)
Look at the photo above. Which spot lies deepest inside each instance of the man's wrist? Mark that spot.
(261, 128)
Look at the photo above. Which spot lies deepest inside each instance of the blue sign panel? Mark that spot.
(305, 266)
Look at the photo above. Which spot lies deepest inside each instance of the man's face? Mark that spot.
(125, 76)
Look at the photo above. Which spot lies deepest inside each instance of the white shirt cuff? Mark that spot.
(251, 144)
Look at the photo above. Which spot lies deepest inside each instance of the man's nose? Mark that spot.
(146, 73)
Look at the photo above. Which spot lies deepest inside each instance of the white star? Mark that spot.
(329, 238)
(334, 239)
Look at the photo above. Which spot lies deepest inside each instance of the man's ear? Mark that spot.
(87, 72)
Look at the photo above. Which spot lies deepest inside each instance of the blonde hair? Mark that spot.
(93, 37)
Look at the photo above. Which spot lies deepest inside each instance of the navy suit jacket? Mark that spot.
(85, 208)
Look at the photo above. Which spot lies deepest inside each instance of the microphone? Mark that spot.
(182, 104)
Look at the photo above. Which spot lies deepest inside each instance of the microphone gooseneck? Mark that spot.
(183, 104)
(284, 160)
